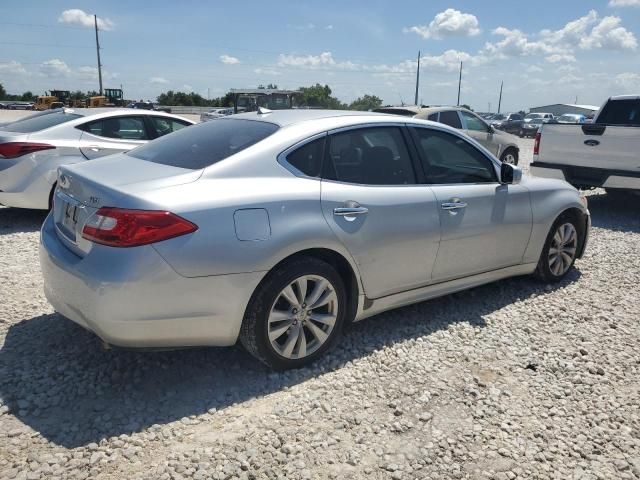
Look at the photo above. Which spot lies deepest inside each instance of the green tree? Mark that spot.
(27, 96)
(319, 96)
(3, 92)
(366, 103)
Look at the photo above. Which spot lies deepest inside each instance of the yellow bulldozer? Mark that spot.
(55, 99)
(112, 98)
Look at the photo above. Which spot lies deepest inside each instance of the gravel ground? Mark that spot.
(510, 380)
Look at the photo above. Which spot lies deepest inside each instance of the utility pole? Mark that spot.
(489, 111)
(95, 22)
(459, 84)
(417, 78)
(500, 99)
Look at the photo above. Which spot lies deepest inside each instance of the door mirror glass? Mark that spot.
(510, 174)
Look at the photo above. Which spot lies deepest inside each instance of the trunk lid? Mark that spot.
(113, 181)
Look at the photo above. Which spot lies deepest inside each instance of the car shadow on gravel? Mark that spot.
(55, 377)
(619, 212)
(15, 220)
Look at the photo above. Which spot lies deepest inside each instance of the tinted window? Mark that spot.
(474, 123)
(515, 116)
(433, 117)
(125, 128)
(164, 125)
(450, 159)
(39, 122)
(204, 144)
(308, 158)
(450, 118)
(621, 112)
(370, 156)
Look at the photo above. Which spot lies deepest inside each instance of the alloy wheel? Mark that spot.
(509, 158)
(563, 249)
(302, 316)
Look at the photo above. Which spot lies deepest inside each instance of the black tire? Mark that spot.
(543, 270)
(521, 134)
(507, 152)
(254, 331)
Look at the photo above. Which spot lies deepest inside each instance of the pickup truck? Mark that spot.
(605, 153)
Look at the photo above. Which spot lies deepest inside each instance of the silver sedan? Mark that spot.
(32, 149)
(277, 228)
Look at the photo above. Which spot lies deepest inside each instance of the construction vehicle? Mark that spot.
(249, 100)
(55, 99)
(112, 98)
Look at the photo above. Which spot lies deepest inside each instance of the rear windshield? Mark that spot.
(396, 111)
(37, 122)
(621, 112)
(205, 144)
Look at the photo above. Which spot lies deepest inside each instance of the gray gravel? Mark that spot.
(511, 380)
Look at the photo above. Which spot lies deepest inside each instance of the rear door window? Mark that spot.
(204, 144)
(369, 156)
(124, 128)
(40, 122)
(621, 112)
(164, 125)
(451, 118)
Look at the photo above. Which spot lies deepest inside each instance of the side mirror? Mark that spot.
(510, 174)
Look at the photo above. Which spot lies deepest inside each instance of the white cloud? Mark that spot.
(610, 35)
(624, 3)
(229, 60)
(55, 68)
(628, 80)
(187, 88)
(12, 68)
(449, 23)
(75, 16)
(328, 27)
(325, 59)
(267, 71)
(534, 69)
(585, 33)
(560, 58)
(158, 80)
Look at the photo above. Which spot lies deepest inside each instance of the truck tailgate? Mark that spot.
(591, 146)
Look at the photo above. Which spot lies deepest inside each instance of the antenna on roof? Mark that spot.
(263, 111)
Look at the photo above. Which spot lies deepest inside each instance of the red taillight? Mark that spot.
(17, 149)
(536, 145)
(118, 227)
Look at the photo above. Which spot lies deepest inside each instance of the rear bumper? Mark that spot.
(133, 298)
(588, 176)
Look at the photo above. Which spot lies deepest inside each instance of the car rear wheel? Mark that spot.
(510, 155)
(295, 315)
(560, 250)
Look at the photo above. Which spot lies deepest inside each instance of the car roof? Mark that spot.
(625, 97)
(292, 116)
(111, 112)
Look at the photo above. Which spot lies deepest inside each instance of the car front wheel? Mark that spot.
(559, 251)
(510, 155)
(295, 315)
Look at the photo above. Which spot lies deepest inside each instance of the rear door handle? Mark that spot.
(350, 211)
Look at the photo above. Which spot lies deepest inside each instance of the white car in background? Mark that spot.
(216, 113)
(32, 148)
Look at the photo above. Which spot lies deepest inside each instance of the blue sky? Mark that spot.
(545, 51)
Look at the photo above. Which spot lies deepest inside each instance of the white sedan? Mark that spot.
(32, 148)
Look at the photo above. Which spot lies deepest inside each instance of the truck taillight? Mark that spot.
(17, 149)
(536, 145)
(118, 227)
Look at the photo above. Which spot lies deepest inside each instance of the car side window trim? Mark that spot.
(413, 130)
(281, 158)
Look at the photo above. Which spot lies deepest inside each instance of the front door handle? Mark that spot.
(94, 148)
(454, 204)
(350, 211)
